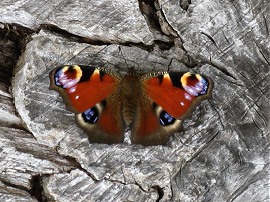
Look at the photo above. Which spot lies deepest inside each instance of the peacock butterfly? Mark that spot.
(151, 105)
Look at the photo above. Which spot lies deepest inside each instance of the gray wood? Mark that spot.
(222, 152)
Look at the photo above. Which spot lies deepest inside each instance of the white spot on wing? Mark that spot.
(188, 97)
(72, 89)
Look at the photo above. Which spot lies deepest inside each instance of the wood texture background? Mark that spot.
(222, 153)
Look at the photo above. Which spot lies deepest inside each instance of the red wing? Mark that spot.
(149, 128)
(172, 99)
(103, 123)
(178, 93)
(82, 86)
(168, 99)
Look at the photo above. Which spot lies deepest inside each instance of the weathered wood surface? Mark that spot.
(222, 154)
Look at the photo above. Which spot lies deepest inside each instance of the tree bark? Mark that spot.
(221, 154)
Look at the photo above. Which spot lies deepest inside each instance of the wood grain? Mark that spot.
(220, 155)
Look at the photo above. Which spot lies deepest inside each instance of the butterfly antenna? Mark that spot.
(121, 52)
(168, 70)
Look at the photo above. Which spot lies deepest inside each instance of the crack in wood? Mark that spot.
(160, 192)
(15, 186)
(37, 188)
(252, 179)
(157, 21)
(99, 42)
(184, 4)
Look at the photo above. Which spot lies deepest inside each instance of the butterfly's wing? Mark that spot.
(90, 93)
(169, 98)
(147, 128)
(178, 93)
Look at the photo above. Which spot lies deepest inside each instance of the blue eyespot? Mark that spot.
(205, 87)
(90, 115)
(200, 88)
(57, 76)
(166, 119)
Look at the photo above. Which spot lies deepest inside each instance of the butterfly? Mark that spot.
(152, 106)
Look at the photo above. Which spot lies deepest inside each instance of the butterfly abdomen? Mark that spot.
(131, 94)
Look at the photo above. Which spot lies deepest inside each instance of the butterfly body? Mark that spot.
(152, 106)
